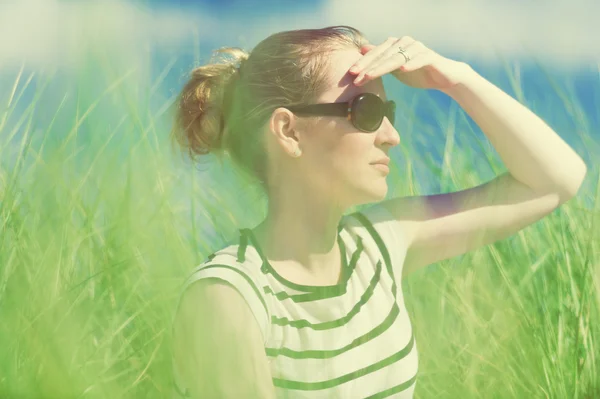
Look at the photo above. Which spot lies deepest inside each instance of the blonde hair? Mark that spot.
(224, 105)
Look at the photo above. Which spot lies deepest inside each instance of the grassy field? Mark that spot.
(99, 224)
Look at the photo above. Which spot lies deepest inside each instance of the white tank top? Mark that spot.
(350, 340)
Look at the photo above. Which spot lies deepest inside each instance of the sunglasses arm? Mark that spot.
(335, 109)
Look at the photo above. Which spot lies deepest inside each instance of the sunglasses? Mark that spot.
(366, 111)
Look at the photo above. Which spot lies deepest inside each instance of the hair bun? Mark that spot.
(204, 100)
(233, 56)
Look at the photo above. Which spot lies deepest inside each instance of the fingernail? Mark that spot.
(354, 69)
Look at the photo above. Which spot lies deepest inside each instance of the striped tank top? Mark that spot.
(350, 340)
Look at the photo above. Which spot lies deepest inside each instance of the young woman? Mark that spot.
(308, 304)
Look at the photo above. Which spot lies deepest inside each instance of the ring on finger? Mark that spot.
(402, 51)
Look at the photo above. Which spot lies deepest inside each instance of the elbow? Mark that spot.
(573, 182)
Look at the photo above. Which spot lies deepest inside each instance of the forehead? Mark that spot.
(341, 87)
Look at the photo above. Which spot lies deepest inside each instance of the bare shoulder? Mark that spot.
(213, 294)
(217, 340)
(217, 308)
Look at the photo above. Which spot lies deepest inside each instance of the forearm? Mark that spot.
(533, 153)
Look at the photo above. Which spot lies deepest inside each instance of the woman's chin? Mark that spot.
(375, 191)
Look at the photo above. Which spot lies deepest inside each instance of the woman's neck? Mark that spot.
(310, 243)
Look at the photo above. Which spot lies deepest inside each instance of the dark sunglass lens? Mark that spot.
(368, 112)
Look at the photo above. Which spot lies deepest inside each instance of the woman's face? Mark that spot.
(337, 158)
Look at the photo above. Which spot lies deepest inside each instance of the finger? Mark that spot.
(419, 61)
(386, 66)
(372, 55)
(411, 48)
(405, 42)
(365, 63)
(393, 61)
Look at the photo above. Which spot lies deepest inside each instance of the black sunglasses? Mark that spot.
(366, 111)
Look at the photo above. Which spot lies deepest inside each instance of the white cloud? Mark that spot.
(46, 32)
(565, 32)
(50, 32)
(561, 32)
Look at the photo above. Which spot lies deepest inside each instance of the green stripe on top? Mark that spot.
(283, 321)
(328, 354)
(382, 248)
(393, 390)
(365, 297)
(266, 267)
(241, 255)
(273, 352)
(335, 291)
(314, 386)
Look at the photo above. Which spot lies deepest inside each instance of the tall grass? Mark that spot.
(99, 225)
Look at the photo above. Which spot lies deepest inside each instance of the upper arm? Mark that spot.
(218, 348)
(442, 226)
